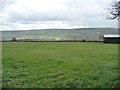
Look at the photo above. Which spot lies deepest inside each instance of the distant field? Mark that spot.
(89, 34)
(59, 65)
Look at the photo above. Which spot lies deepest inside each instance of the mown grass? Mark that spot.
(59, 65)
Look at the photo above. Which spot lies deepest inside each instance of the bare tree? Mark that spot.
(114, 11)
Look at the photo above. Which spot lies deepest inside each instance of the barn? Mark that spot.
(113, 38)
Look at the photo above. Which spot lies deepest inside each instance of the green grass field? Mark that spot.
(59, 65)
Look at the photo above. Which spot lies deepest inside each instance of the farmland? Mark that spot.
(59, 65)
(89, 34)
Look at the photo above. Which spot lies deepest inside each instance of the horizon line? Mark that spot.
(57, 28)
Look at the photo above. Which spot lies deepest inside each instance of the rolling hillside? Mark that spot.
(60, 34)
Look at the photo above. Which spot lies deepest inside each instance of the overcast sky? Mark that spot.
(37, 14)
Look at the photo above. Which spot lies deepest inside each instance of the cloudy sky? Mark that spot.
(39, 14)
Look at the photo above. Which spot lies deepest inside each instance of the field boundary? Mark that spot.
(53, 41)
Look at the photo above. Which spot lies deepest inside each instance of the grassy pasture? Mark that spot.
(59, 65)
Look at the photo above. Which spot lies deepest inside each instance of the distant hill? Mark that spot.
(65, 34)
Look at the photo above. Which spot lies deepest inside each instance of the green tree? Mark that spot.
(13, 39)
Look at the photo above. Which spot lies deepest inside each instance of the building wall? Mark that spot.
(111, 40)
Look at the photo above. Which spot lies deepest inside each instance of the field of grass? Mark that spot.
(59, 65)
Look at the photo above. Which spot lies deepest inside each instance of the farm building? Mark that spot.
(111, 38)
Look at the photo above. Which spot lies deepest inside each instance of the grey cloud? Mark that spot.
(38, 15)
(72, 13)
(6, 3)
